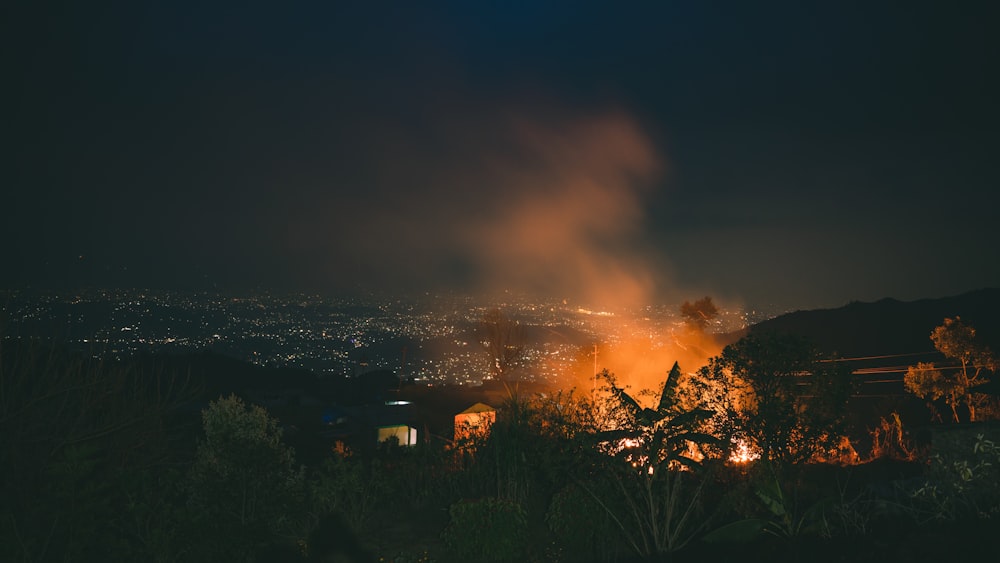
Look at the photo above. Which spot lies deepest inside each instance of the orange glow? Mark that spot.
(841, 454)
(636, 460)
(474, 422)
(743, 453)
(566, 221)
(535, 199)
(640, 352)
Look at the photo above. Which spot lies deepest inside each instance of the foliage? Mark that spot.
(80, 503)
(531, 448)
(348, 486)
(656, 500)
(852, 516)
(663, 510)
(957, 341)
(535, 445)
(667, 436)
(961, 486)
(926, 381)
(786, 518)
(245, 487)
(489, 529)
(76, 429)
(811, 502)
(150, 516)
(619, 456)
(776, 392)
(504, 465)
(564, 415)
(580, 524)
(608, 476)
(559, 430)
(889, 440)
(783, 516)
(418, 475)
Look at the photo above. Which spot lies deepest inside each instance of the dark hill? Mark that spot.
(889, 326)
(217, 374)
(863, 332)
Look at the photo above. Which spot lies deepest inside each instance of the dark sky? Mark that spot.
(804, 154)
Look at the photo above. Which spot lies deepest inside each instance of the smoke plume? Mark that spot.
(544, 204)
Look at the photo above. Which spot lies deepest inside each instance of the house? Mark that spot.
(474, 421)
(394, 419)
(405, 435)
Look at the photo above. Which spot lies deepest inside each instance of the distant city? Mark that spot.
(430, 338)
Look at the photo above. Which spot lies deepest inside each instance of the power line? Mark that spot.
(883, 356)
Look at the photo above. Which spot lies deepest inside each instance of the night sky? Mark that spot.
(760, 152)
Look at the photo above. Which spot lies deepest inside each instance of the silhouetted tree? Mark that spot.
(925, 380)
(504, 341)
(698, 314)
(245, 488)
(648, 486)
(957, 341)
(777, 392)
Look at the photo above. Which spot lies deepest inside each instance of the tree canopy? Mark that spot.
(776, 392)
(244, 482)
(504, 340)
(957, 341)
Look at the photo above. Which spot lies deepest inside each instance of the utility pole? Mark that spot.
(593, 391)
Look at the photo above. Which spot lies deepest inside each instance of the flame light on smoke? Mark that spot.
(640, 352)
(532, 198)
(570, 206)
(541, 201)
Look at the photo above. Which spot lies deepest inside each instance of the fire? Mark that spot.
(638, 350)
(633, 457)
(743, 452)
(628, 443)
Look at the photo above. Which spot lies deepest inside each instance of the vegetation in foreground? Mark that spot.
(106, 460)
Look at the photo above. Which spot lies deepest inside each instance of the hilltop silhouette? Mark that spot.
(889, 326)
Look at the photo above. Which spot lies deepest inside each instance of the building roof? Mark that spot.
(478, 407)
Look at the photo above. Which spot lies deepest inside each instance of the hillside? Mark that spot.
(889, 326)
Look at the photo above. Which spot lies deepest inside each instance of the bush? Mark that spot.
(489, 529)
(245, 489)
(962, 486)
(349, 487)
(582, 528)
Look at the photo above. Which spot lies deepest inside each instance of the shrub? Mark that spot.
(962, 486)
(488, 529)
(580, 526)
